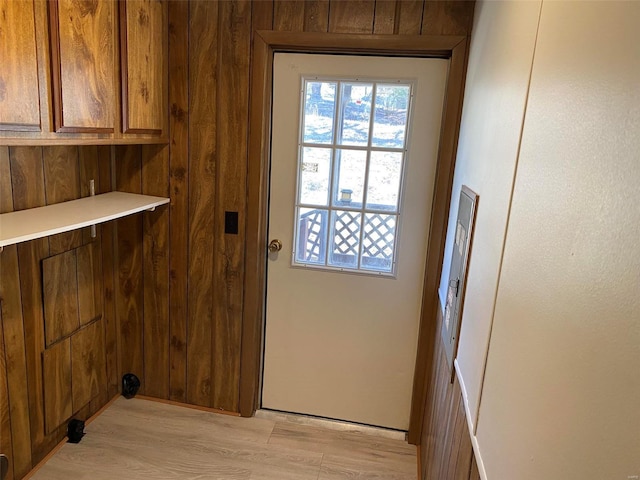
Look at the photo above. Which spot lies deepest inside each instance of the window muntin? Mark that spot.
(352, 152)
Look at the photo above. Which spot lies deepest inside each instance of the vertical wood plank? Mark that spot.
(107, 231)
(88, 170)
(288, 15)
(19, 95)
(179, 192)
(233, 61)
(409, 17)
(262, 15)
(60, 294)
(56, 370)
(385, 16)
(130, 298)
(474, 474)
(316, 15)
(6, 205)
(62, 183)
(88, 374)
(27, 176)
(354, 16)
(203, 59)
(155, 181)
(447, 18)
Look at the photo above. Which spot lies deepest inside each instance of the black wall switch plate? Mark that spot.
(231, 223)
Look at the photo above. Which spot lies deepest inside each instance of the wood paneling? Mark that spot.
(142, 41)
(88, 374)
(316, 15)
(60, 293)
(203, 73)
(89, 283)
(385, 15)
(130, 292)
(56, 370)
(31, 177)
(288, 15)
(355, 16)
(83, 36)
(447, 453)
(19, 94)
(155, 245)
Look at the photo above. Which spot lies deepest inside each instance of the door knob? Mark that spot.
(275, 246)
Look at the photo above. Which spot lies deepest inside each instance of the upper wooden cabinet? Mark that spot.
(85, 71)
(141, 33)
(19, 89)
(83, 58)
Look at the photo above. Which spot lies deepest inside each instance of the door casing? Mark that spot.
(265, 44)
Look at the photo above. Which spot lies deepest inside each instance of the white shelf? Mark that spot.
(16, 227)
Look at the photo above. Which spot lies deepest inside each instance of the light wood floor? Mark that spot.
(140, 439)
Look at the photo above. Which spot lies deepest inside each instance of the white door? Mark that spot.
(350, 202)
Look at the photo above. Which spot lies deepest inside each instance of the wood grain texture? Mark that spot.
(233, 60)
(447, 452)
(107, 232)
(220, 446)
(289, 15)
(447, 18)
(88, 373)
(19, 93)
(62, 183)
(155, 245)
(89, 273)
(316, 15)
(354, 16)
(83, 58)
(409, 17)
(56, 371)
(475, 473)
(130, 291)
(179, 192)
(142, 32)
(6, 439)
(203, 72)
(384, 17)
(60, 294)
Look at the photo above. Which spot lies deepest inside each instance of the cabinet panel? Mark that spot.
(142, 47)
(19, 93)
(83, 39)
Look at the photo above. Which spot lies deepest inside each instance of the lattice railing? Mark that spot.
(378, 238)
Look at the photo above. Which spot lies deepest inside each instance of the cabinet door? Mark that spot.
(19, 88)
(83, 43)
(142, 33)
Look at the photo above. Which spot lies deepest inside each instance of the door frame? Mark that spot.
(265, 45)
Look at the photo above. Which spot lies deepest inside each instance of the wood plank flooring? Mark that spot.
(140, 439)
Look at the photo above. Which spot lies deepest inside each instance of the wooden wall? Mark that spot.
(33, 401)
(184, 340)
(445, 446)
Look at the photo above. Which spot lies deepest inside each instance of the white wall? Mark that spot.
(496, 90)
(561, 393)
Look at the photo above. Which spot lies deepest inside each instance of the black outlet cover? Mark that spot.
(130, 385)
(231, 223)
(75, 430)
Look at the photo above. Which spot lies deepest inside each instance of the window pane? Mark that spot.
(345, 239)
(349, 177)
(390, 120)
(378, 241)
(314, 176)
(356, 112)
(311, 236)
(383, 188)
(319, 105)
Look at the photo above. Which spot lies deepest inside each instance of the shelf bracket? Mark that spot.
(92, 193)
(1, 249)
(152, 209)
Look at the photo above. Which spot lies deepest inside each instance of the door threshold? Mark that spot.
(330, 423)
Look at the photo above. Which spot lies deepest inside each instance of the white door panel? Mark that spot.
(337, 344)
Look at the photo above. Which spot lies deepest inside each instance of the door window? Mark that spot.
(351, 160)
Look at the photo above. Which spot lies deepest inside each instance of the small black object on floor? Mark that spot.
(130, 385)
(75, 430)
